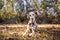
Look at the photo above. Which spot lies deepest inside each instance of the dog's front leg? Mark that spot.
(26, 30)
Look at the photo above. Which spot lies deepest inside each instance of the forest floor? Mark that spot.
(43, 32)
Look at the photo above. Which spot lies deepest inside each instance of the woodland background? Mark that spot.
(13, 11)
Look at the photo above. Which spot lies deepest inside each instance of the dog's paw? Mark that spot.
(23, 34)
(31, 34)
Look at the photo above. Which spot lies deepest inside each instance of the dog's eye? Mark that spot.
(33, 14)
(30, 15)
(30, 24)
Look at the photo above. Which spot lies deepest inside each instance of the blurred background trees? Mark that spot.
(13, 11)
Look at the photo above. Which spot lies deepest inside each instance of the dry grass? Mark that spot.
(15, 33)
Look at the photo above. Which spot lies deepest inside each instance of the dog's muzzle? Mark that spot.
(32, 20)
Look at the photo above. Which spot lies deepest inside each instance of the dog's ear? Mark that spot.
(27, 14)
(37, 13)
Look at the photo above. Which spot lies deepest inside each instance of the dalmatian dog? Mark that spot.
(32, 25)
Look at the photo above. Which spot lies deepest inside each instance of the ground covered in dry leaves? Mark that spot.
(15, 33)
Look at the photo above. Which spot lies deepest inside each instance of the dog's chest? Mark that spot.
(31, 24)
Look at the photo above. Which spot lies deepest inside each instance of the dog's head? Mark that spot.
(31, 15)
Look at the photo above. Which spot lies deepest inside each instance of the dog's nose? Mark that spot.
(32, 18)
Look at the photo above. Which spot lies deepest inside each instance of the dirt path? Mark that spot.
(25, 25)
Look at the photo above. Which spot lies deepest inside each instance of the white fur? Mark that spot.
(32, 27)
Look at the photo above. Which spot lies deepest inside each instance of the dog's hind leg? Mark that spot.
(33, 32)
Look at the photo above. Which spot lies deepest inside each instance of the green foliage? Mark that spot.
(18, 16)
(5, 15)
(58, 18)
(1, 4)
(43, 5)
